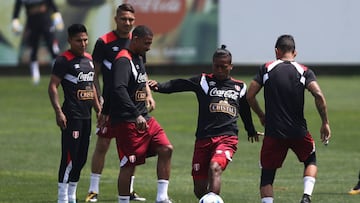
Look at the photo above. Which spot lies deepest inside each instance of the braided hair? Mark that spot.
(222, 52)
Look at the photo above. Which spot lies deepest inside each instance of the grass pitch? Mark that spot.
(30, 149)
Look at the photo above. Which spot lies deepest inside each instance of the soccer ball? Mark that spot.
(211, 198)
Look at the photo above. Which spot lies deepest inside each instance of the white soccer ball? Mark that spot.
(211, 198)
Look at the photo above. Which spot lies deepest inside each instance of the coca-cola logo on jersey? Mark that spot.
(231, 94)
(84, 77)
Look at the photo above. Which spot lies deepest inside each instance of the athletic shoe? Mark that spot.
(355, 190)
(91, 197)
(164, 201)
(306, 198)
(135, 197)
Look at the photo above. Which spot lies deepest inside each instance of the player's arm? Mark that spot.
(253, 90)
(97, 68)
(175, 85)
(246, 117)
(150, 102)
(320, 104)
(97, 105)
(122, 73)
(103, 116)
(98, 56)
(54, 99)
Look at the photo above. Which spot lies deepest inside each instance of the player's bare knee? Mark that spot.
(165, 150)
(215, 168)
(102, 145)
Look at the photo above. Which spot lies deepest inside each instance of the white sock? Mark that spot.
(94, 182)
(72, 191)
(309, 183)
(267, 200)
(63, 192)
(35, 72)
(162, 190)
(132, 184)
(123, 199)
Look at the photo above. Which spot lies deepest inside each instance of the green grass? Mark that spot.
(30, 149)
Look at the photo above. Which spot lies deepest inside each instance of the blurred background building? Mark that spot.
(188, 31)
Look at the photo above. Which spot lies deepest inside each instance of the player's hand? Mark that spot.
(58, 21)
(141, 123)
(101, 100)
(98, 114)
(150, 103)
(61, 120)
(255, 137)
(102, 120)
(153, 84)
(325, 133)
(16, 26)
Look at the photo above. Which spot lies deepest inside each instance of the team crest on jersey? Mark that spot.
(222, 107)
(196, 167)
(132, 158)
(75, 134)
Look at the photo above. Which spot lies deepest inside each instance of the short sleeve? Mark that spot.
(60, 67)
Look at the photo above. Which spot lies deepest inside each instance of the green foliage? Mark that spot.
(30, 149)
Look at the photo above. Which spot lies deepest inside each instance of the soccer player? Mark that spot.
(43, 18)
(140, 134)
(284, 81)
(221, 100)
(105, 51)
(356, 189)
(74, 70)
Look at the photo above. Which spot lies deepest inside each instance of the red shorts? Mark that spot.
(137, 145)
(274, 150)
(218, 149)
(106, 131)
